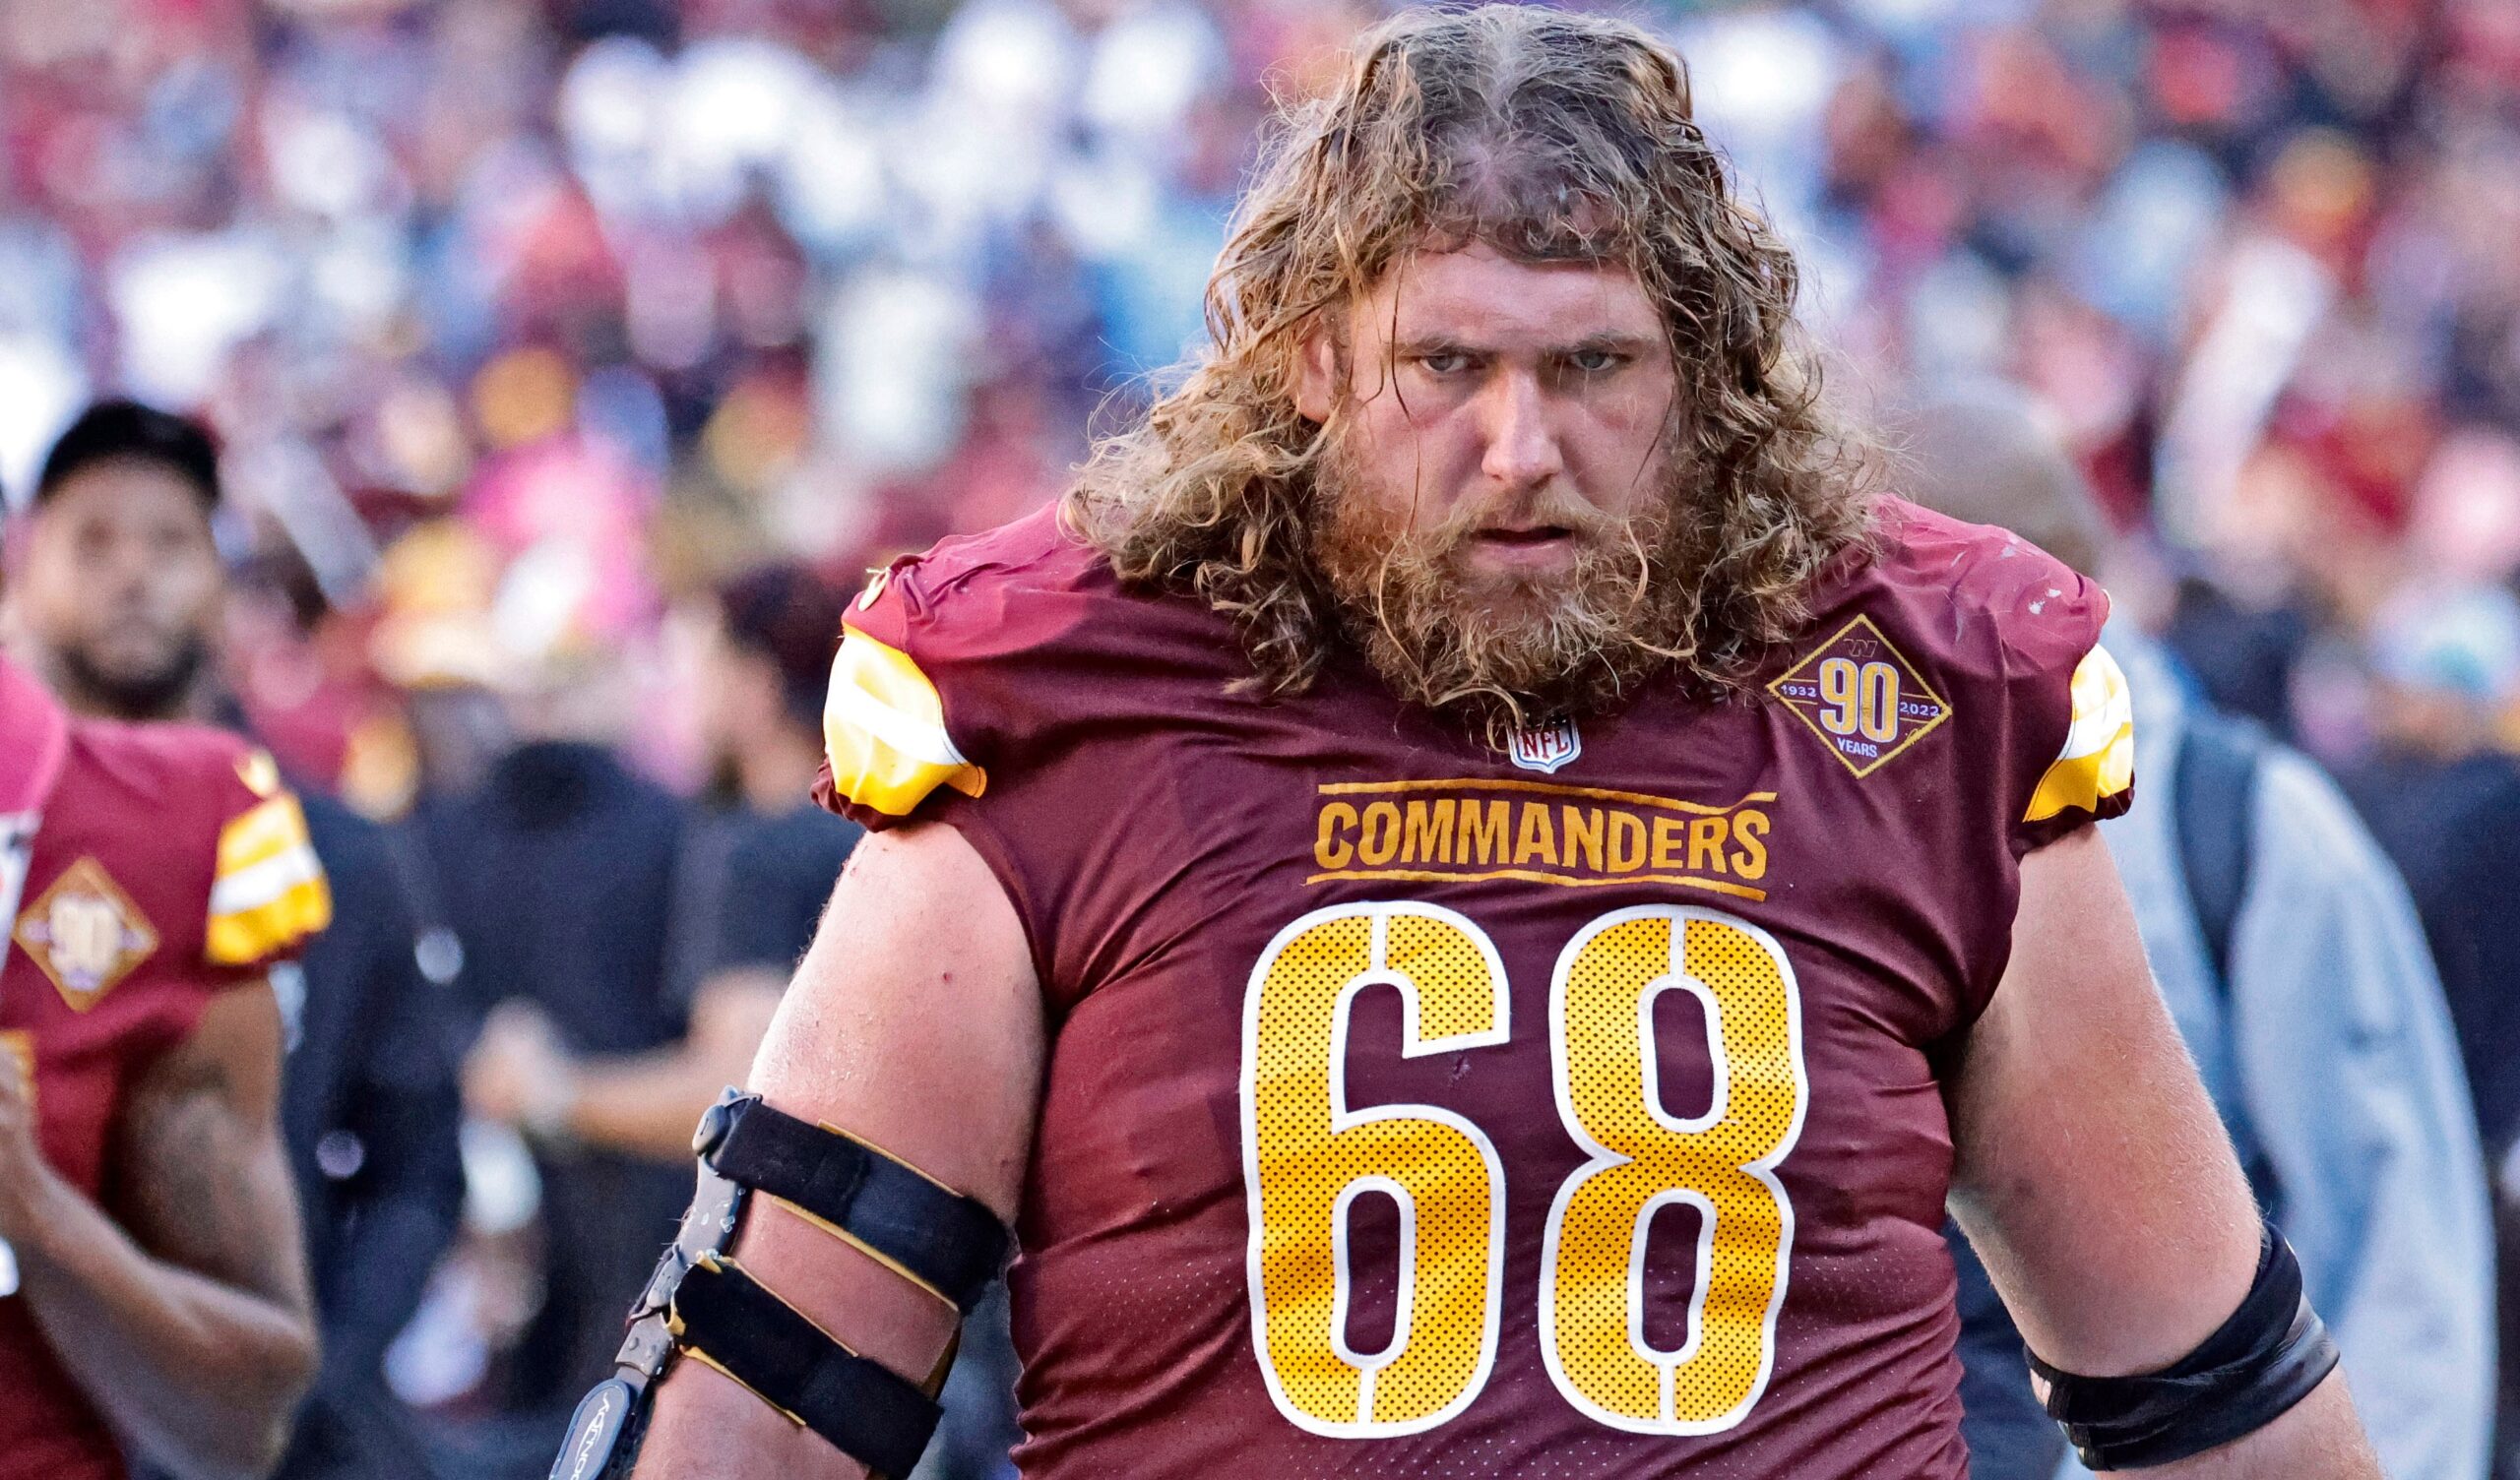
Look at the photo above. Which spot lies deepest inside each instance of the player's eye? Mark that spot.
(1444, 362)
(1594, 361)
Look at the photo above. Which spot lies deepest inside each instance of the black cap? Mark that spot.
(117, 430)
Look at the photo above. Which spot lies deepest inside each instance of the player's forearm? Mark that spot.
(705, 1425)
(919, 1031)
(646, 1105)
(2319, 1439)
(203, 1376)
(707, 1428)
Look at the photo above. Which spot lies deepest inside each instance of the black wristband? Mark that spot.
(2261, 1361)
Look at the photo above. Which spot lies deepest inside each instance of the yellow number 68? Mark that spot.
(1306, 1156)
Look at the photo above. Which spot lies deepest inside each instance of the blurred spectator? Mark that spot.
(121, 586)
(557, 874)
(2299, 977)
(757, 862)
(370, 1109)
(2445, 800)
(123, 591)
(554, 859)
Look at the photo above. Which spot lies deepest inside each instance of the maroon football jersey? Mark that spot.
(1417, 1109)
(167, 864)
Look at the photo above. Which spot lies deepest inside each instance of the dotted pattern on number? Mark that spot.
(1305, 1167)
(1596, 1296)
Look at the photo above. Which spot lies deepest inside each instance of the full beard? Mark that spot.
(1500, 653)
(157, 692)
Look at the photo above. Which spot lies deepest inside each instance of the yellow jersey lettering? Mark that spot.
(1427, 832)
(1330, 846)
(1537, 839)
(1582, 831)
(1750, 831)
(1538, 832)
(1627, 842)
(1706, 835)
(1484, 831)
(1379, 843)
(1669, 834)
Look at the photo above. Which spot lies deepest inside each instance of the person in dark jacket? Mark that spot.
(2306, 998)
(558, 880)
(370, 1112)
(759, 859)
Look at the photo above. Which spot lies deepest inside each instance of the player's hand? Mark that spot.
(26, 1178)
(518, 1075)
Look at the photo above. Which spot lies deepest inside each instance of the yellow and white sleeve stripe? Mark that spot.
(268, 893)
(884, 728)
(2098, 759)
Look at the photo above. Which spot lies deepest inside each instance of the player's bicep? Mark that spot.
(203, 1179)
(2091, 1171)
(915, 1020)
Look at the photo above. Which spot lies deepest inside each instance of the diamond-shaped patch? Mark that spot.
(86, 934)
(1861, 696)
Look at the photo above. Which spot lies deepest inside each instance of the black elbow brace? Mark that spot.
(704, 1306)
(2264, 1359)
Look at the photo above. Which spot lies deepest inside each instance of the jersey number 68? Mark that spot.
(1306, 1156)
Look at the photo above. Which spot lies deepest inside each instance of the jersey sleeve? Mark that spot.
(889, 747)
(268, 893)
(2075, 723)
(998, 685)
(2093, 773)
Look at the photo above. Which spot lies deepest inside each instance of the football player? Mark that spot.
(153, 875)
(122, 598)
(1477, 893)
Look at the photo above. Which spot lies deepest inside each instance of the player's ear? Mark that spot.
(1316, 371)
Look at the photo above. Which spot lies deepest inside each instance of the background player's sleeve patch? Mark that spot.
(268, 893)
(2096, 772)
(884, 731)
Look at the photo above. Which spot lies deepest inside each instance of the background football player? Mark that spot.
(122, 598)
(1477, 891)
(161, 1307)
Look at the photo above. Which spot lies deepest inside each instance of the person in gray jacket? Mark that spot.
(2296, 970)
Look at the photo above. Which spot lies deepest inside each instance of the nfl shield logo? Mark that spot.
(1547, 747)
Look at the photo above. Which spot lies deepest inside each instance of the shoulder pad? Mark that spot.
(884, 732)
(268, 893)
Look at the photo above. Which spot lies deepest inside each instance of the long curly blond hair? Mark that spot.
(1548, 137)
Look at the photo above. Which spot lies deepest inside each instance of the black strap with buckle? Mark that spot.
(700, 1305)
(875, 1417)
(947, 1242)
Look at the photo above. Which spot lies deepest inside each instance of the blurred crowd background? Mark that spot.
(532, 332)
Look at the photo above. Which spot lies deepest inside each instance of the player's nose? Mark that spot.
(1521, 437)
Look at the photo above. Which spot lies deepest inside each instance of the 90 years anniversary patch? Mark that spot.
(86, 934)
(1861, 696)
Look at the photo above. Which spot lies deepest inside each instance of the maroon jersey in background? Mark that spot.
(1416, 1109)
(167, 865)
